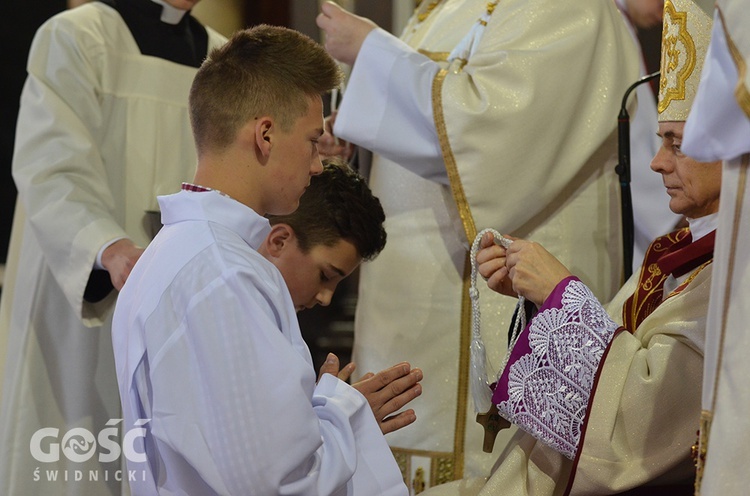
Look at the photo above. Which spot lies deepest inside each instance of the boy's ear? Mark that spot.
(264, 127)
(279, 239)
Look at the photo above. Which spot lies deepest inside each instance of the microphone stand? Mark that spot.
(623, 171)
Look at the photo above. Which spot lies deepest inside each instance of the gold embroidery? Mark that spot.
(655, 271)
(459, 435)
(450, 161)
(418, 484)
(442, 471)
(672, 85)
(741, 93)
(428, 10)
(700, 448)
(442, 466)
(690, 278)
(650, 280)
(435, 56)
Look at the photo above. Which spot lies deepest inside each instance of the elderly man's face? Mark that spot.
(693, 187)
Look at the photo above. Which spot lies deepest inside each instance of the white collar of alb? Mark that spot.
(170, 14)
(703, 225)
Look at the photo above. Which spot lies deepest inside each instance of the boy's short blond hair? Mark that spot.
(265, 70)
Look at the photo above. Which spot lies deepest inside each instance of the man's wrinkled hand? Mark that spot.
(491, 265)
(533, 270)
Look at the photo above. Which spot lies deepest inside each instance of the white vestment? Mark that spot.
(520, 137)
(718, 128)
(208, 348)
(102, 130)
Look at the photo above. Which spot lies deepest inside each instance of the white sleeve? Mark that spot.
(57, 163)
(387, 107)
(239, 404)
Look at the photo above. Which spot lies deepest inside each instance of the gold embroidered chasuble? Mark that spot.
(526, 129)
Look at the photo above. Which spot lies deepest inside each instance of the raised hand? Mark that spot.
(345, 32)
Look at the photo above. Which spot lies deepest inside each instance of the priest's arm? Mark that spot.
(58, 166)
(604, 408)
(522, 99)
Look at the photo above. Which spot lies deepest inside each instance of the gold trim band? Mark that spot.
(450, 161)
(741, 92)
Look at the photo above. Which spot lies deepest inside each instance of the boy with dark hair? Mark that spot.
(338, 216)
(339, 223)
(210, 361)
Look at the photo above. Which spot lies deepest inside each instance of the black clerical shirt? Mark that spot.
(185, 43)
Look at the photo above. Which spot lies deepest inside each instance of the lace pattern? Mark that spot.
(550, 386)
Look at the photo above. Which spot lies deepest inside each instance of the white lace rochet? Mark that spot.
(549, 388)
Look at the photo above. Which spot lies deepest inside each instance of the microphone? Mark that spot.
(623, 171)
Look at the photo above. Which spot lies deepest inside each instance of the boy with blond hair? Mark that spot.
(210, 361)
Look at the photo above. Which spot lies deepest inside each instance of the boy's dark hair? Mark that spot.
(264, 70)
(337, 205)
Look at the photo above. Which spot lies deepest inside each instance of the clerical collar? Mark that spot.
(184, 41)
(703, 225)
(169, 14)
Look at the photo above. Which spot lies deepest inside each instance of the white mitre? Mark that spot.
(684, 43)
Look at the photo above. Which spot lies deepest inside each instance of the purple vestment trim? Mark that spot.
(551, 373)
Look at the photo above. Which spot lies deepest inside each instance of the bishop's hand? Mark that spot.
(533, 270)
(491, 265)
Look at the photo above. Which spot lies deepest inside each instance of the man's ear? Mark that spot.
(279, 239)
(264, 128)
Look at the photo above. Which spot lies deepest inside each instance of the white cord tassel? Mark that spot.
(469, 43)
(480, 385)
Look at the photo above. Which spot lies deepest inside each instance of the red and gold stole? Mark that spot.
(674, 254)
